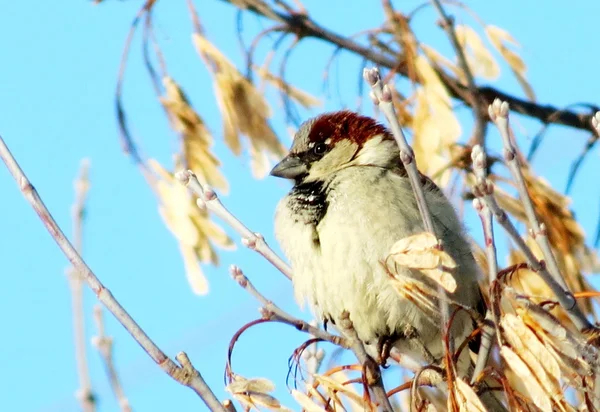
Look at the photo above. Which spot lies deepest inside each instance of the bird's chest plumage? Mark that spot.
(336, 235)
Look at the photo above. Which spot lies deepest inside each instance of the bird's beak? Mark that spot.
(290, 167)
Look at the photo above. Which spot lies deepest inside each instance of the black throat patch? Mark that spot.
(308, 202)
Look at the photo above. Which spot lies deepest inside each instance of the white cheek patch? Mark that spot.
(376, 152)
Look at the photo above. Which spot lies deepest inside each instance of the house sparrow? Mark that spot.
(351, 201)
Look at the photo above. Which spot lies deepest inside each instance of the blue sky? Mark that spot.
(57, 80)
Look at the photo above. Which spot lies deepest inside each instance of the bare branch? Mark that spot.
(303, 26)
(382, 97)
(184, 374)
(488, 331)
(274, 312)
(499, 114)
(104, 344)
(478, 112)
(487, 195)
(371, 371)
(254, 241)
(84, 394)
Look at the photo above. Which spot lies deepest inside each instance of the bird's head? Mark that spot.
(333, 141)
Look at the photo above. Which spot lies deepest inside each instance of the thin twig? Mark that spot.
(499, 112)
(488, 330)
(382, 97)
(254, 241)
(104, 344)
(487, 195)
(84, 394)
(313, 357)
(372, 372)
(305, 27)
(184, 374)
(274, 312)
(475, 103)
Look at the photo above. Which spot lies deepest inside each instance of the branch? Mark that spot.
(303, 26)
(84, 394)
(486, 194)
(185, 374)
(371, 371)
(474, 102)
(382, 97)
(488, 330)
(499, 114)
(254, 241)
(104, 344)
(273, 312)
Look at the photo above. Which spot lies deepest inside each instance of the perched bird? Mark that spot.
(351, 201)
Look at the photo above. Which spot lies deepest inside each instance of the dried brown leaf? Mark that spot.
(422, 252)
(253, 393)
(480, 60)
(305, 99)
(467, 398)
(520, 368)
(333, 388)
(196, 138)
(243, 108)
(435, 125)
(305, 402)
(190, 225)
(501, 39)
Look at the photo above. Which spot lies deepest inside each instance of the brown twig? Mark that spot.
(254, 241)
(304, 27)
(185, 374)
(104, 344)
(474, 101)
(84, 394)
(499, 112)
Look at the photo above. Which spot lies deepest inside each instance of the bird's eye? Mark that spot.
(320, 148)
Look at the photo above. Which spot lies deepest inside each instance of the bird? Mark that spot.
(351, 201)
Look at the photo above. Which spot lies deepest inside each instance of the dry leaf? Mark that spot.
(480, 60)
(435, 125)
(253, 393)
(190, 226)
(536, 392)
(302, 97)
(566, 237)
(501, 39)
(467, 398)
(421, 252)
(196, 137)
(440, 60)
(531, 351)
(243, 108)
(335, 388)
(305, 402)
